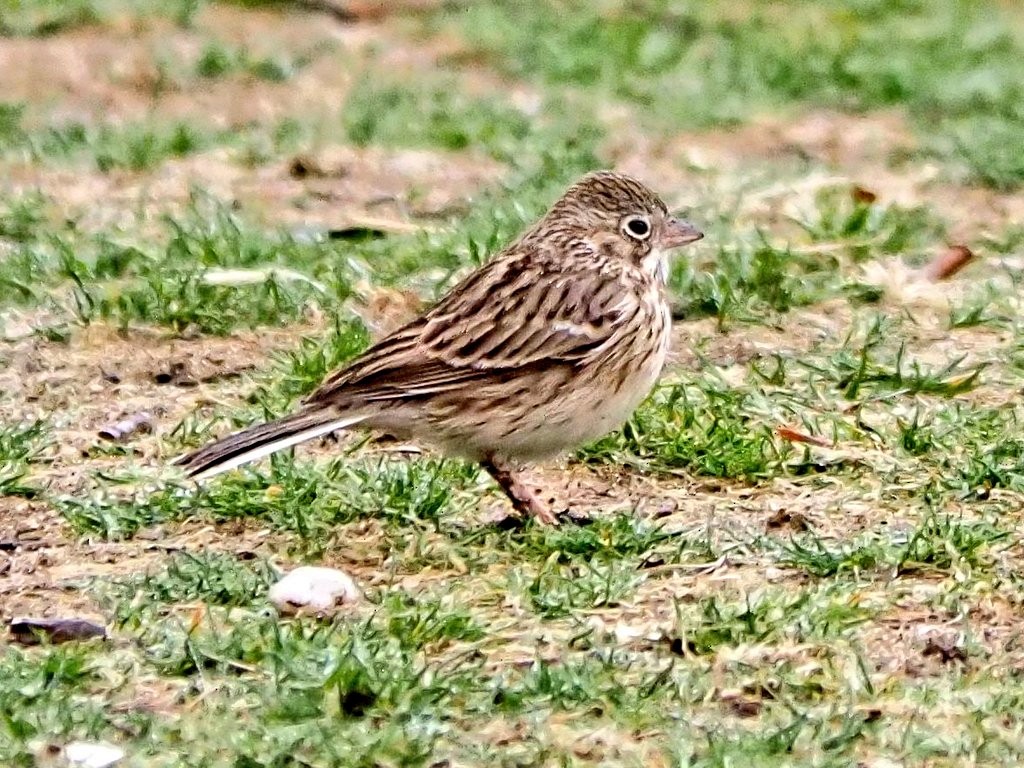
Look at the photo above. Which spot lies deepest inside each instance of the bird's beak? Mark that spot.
(679, 232)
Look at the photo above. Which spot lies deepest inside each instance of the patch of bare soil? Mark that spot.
(98, 378)
(44, 568)
(144, 70)
(334, 188)
(101, 375)
(857, 150)
(700, 342)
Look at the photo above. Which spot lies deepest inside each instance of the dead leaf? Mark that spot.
(948, 263)
(368, 10)
(862, 195)
(236, 277)
(196, 618)
(93, 754)
(795, 436)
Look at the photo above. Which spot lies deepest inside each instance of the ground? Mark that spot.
(803, 547)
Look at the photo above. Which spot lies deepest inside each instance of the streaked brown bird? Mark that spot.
(549, 345)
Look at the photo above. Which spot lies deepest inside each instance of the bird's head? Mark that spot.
(620, 216)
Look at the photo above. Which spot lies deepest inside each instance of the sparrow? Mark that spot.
(549, 345)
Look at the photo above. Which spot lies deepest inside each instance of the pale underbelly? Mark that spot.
(575, 418)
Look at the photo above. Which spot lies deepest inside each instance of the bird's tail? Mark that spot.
(262, 440)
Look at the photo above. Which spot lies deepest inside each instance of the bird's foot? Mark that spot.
(505, 519)
(527, 501)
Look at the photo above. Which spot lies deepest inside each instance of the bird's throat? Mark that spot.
(655, 264)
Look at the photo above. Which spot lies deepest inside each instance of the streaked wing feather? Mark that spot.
(477, 334)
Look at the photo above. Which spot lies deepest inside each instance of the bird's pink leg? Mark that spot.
(524, 499)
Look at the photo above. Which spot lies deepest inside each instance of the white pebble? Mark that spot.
(313, 589)
(88, 754)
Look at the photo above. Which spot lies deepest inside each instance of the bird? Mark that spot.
(550, 344)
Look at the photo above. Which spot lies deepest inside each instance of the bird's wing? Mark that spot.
(510, 315)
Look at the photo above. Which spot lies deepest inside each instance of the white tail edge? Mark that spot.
(266, 449)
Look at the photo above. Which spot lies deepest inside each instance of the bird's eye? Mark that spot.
(637, 227)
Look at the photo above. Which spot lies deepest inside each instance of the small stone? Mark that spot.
(123, 429)
(29, 631)
(313, 589)
(87, 754)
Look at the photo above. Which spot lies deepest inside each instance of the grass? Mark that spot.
(939, 544)
(214, 578)
(20, 444)
(712, 430)
(393, 114)
(956, 72)
(310, 503)
(218, 60)
(803, 547)
(133, 147)
(96, 277)
(48, 18)
(168, 287)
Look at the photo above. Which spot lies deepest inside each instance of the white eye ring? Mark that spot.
(637, 227)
